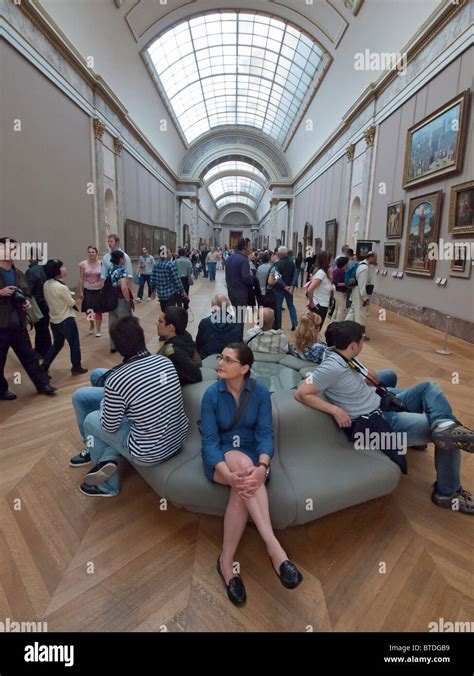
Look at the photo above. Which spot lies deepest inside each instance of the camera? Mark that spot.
(18, 297)
(389, 402)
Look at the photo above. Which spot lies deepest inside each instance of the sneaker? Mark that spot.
(139, 300)
(95, 491)
(113, 350)
(98, 334)
(454, 435)
(82, 458)
(458, 502)
(100, 473)
(78, 370)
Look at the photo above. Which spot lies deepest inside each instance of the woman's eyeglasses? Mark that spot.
(227, 360)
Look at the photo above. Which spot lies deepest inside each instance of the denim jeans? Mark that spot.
(300, 276)
(66, 330)
(428, 406)
(212, 271)
(280, 296)
(87, 399)
(387, 377)
(144, 279)
(109, 446)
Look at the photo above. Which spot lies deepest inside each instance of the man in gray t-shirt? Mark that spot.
(427, 416)
(344, 387)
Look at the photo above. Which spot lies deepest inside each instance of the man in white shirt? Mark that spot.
(360, 293)
(113, 242)
(265, 338)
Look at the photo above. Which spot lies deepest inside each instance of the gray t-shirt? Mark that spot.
(344, 387)
(184, 265)
(262, 274)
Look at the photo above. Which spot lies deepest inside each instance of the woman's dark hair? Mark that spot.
(52, 268)
(241, 244)
(128, 336)
(93, 247)
(350, 252)
(115, 256)
(341, 261)
(181, 251)
(244, 355)
(322, 261)
(265, 257)
(178, 317)
(341, 334)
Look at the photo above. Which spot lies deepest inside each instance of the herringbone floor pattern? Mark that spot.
(83, 564)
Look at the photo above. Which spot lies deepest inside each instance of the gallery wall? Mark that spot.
(457, 297)
(46, 163)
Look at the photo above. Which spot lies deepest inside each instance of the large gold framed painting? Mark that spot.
(435, 146)
(422, 230)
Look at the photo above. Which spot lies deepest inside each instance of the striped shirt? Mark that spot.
(147, 391)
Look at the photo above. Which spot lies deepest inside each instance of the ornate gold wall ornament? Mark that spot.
(350, 151)
(99, 128)
(369, 135)
(118, 145)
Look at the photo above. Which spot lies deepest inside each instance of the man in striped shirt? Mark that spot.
(166, 282)
(266, 338)
(142, 414)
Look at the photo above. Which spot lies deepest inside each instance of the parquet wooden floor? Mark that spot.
(124, 565)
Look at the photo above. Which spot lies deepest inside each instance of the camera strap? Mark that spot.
(356, 365)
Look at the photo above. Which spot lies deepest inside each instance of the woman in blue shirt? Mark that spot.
(237, 453)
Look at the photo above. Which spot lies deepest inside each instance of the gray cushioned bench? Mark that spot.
(315, 471)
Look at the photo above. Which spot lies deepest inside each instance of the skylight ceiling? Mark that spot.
(235, 166)
(235, 68)
(233, 199)
(238, 184)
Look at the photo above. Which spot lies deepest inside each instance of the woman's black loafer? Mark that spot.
(235, 588)
(289, 575)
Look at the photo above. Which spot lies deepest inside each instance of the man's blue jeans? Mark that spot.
(87, 399)
(427, 407)
(212, 271)
(280, 296)
(107, 446)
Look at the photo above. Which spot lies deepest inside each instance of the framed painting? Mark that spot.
(132, 238)
(395, 220)
(331, 237)
(461, 209)
(462, 263)
(364, 247)
(422, 230)
(147, 237)
(391, 254)
(435, 146)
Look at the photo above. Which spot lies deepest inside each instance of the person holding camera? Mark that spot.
(421, 412)
(14, 304)
(62, 308)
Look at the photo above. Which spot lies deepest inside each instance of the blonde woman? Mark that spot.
(308, 346)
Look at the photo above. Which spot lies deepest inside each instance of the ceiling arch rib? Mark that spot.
(230, 167)
(235, 68)
(236, 184)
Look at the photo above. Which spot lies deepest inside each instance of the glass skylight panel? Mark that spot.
(234, 199)
(234, 68)
(235, 166)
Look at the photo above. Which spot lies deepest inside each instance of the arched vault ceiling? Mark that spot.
(228, 142)
(324, 20)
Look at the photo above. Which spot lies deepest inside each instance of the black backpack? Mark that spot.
(108, 297)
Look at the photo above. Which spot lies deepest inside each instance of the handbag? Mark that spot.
(108, 298)
(136, 279)
(190, 279)
(374, 423)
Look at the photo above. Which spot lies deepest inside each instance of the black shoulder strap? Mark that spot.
(242, 407)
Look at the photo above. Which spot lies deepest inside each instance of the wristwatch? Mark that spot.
(264, 464)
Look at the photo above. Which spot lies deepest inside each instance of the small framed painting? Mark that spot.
(461, 264)
(391, 254)
(395, 220)
(461, 209)
(331, 237)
